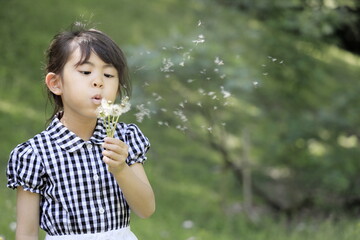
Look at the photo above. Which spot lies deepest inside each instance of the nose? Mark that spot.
(98, 83)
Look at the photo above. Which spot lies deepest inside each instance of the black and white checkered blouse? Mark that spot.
(78, 194)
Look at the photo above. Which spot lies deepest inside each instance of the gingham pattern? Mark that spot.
(79, 195)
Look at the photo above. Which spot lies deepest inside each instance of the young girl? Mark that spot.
(72, 179)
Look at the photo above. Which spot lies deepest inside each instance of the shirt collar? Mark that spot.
(68, 140)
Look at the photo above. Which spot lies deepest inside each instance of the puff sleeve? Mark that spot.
(25, 169)
(138, 144)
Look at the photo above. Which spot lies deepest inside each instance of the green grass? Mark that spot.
(190, 188)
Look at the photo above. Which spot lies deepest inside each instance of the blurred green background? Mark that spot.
(251, 107)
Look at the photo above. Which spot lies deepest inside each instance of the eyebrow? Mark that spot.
(92, 64)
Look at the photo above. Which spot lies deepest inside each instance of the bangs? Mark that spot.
(107, 53)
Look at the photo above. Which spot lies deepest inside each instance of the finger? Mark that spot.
(124, 149)
(111, 140)
(117, 156)
(113, 164)
(115, 145)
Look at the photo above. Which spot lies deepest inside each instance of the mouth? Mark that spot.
(97, 99)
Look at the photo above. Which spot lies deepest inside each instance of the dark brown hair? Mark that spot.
(88, 41)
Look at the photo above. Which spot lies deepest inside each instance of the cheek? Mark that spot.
(112, 91)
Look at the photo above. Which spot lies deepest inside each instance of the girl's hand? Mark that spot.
(115, 153)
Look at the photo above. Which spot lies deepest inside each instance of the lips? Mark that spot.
(97, 99)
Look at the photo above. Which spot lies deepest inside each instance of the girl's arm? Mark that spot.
(27, 216)
(131, 179)
(137, 189)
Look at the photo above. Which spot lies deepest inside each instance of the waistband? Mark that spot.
(118, 234)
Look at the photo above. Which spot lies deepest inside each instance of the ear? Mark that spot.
(53, 82)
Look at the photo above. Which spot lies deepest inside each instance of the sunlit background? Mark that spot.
(252, 109)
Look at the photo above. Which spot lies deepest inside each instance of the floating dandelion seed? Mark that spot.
(181, 128)
(167, 64)
(199, 23)
(157, 97)
(201, 39)
(182, 63)
(110, 113)
(256, 84)
(201, 91)
(203, 71)
(142, 113)
(223, 76)
(281, 62)
(265, 73)
(218, 61)
(163, 109)
(199, 104)
(179, 113)
(182, 104)
(190, 80)
(225, 94)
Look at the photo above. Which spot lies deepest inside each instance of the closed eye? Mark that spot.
(108, 75)
(85, 72)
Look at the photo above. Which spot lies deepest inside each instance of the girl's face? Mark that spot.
(83, 86)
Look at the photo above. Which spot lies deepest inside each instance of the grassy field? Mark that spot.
(191, 205)
(196, 198)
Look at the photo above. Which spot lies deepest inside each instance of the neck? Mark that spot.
(82, 127)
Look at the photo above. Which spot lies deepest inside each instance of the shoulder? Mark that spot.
(30, 146)
(132, 130)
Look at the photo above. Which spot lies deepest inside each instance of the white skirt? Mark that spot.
(119, 234)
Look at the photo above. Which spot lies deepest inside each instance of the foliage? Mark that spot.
(220, 92)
